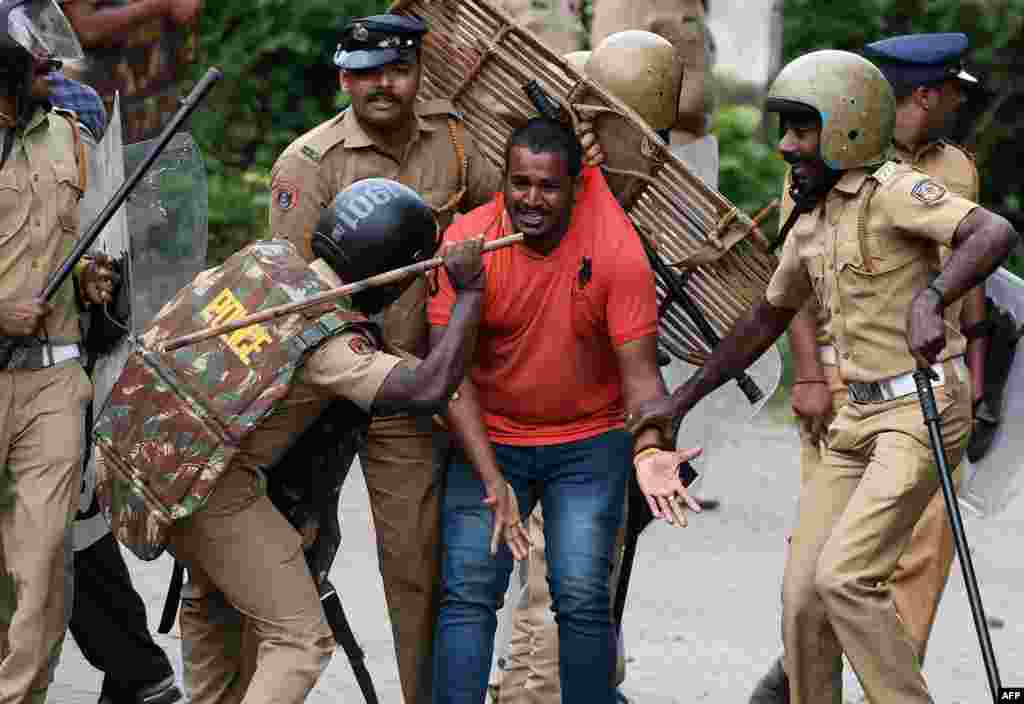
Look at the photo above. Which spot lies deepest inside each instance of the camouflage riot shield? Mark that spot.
(996, 479)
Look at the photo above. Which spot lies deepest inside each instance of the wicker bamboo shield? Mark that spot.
(476, 56)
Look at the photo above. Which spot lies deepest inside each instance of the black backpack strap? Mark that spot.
(170, 612)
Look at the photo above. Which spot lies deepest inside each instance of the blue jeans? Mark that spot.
(581, 486)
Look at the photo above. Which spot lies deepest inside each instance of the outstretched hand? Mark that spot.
(657, 473)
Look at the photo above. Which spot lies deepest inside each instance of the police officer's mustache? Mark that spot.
(381, 94)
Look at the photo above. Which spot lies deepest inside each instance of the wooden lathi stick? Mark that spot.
(388, 277)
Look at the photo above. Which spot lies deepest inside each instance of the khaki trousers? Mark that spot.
(252, 627)
(529, 674)
(402, 463)
(856, 515)
(42, 426)
(923, 569)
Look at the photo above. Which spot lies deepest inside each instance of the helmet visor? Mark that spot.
(41, 29)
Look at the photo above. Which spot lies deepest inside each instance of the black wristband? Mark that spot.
(938, 293)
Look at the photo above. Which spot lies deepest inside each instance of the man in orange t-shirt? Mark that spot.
(566, 346)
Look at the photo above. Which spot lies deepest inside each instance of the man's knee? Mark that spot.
(833, 583)
(472, 580)
(581, 597)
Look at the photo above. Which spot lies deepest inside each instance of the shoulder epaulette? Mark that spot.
(887, 170)
(439, 107)
(960, 148)
(323, 138)
(81, 158)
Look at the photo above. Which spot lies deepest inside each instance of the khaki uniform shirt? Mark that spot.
(866, 284)
(350, 365)
(39, 192)
(944, 162)
(321, 163)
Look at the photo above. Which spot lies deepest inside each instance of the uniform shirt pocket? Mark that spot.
(15, 202)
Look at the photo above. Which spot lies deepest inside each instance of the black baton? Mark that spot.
(931, 419)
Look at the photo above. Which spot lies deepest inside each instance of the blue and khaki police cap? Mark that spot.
(922, 59)
(369, 42)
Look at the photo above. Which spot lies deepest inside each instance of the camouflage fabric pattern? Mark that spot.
(147, 67)
(175, 419)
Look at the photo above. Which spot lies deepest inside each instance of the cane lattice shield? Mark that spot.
(477, 57)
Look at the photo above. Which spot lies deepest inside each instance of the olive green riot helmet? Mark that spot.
(852, 98)
(641, 70)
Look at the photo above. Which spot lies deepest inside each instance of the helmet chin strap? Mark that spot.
(806, 200)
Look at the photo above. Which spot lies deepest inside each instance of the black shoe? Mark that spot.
(773, 688)
(163, 692)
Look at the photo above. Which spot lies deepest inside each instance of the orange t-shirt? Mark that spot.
(545, 365)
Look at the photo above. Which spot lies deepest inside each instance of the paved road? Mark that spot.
(703, 618)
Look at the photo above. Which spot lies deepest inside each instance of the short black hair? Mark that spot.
(542, 135)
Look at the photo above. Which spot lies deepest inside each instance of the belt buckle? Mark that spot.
(866, 392)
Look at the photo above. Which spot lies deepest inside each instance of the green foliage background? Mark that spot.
(279, 82)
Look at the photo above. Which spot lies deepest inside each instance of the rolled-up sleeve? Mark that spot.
(351, 367)
(790, 286)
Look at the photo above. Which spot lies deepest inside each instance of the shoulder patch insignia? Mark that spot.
(285, 195)
(309, 152)
(360, 345)
(928, 191)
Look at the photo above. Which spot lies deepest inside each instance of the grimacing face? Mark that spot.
(800, 147)
(539, 196)
(384, 97)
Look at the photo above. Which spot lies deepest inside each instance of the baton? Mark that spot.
(388, 277)
(931, 419)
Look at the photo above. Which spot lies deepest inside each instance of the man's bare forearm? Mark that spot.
(982, 242)
(744, 344)
(426, 388)
(467, 423)
(803, 343)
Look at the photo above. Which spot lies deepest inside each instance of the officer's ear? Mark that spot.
(926, 97)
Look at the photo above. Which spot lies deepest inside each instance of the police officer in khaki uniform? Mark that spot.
(387, 133)
(865, 248)
(239, 545)
(928, 81)
(43, 389)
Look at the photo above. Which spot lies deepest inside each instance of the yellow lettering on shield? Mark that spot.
(244, 342)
